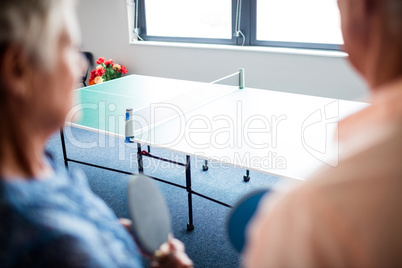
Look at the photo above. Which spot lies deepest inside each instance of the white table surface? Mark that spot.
(283, 134)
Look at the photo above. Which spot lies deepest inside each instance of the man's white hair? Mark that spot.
(35, 25)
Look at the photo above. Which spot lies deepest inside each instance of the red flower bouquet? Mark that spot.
(105, 71)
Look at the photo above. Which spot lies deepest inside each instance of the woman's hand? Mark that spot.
(171, 255)
(126, 224)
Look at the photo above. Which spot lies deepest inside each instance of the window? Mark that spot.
(187, 21)
(309, 22)
(285, 23)
(198, 21)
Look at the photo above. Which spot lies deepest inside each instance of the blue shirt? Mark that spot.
(60, 222)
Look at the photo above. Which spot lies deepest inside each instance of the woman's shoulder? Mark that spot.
(59, 213)
(17, 231)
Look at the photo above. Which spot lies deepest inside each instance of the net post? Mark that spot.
(242, 81)
(129, 126)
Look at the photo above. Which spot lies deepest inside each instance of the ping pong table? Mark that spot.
(282, 134)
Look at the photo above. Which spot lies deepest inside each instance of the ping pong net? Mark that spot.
(146, 118)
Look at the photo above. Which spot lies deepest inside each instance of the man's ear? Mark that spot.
(364, 9)
(373, 7)
(15, 72)
(364, 15)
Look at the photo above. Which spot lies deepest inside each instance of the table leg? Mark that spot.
(190, 225)
(63, 145)
(205, 166)
(246, 177)
(139, 159)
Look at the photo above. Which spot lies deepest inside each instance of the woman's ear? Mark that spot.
(15, 71)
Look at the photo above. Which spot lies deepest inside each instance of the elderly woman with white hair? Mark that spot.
(351, 215)
(50, 217)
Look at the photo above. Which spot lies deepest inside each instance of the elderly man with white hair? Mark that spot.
(50, 218)
(351, 215)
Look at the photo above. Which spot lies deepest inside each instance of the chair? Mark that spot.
(90, 59)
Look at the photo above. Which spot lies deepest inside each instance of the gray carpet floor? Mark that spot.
(207, 245)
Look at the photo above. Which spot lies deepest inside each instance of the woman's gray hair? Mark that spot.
(34, 25)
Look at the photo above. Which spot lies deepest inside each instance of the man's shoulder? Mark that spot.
(378, 159)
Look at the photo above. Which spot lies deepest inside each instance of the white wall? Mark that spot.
(104, 28)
